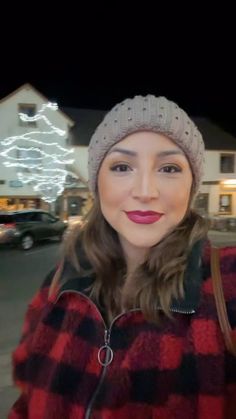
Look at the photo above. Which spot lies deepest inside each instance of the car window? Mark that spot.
(26, 217)
(47, 218)
(21, 218)
(35, 216)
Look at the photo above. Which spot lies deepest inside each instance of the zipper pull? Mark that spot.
(108, 351)
(106, 337)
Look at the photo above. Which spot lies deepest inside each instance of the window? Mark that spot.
(35, 216)
(29, 157)
(22, 217)
(227, 163)
(46, 218)
(75, 205)
(201, 203)
(30, 110)
(225, 204)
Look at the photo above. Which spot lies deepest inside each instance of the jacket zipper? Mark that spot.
(109, 353)
(107, 361)
(177, 310)
(102, 376)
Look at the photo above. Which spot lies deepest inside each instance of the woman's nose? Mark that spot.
(145, 186)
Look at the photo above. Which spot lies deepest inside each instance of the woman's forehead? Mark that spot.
(146, 140)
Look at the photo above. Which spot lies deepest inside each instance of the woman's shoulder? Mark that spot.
(227, 255)
(225, 252)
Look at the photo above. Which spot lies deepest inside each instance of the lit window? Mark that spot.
(225, 204)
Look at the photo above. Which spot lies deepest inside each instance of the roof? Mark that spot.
(215, 137)
(45, 99)
(86, 121)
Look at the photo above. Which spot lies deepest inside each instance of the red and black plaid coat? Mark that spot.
(179, 370)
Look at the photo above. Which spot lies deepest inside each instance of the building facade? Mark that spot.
(25, 141)
(217, 195)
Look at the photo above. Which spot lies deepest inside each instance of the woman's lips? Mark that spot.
(143, 217)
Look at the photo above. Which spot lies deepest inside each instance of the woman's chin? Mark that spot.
(144, 243)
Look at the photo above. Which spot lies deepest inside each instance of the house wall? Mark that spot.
(10, 186)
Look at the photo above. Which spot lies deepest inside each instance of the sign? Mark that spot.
(15, 183)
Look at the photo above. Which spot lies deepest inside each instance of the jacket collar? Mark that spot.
(192, 281)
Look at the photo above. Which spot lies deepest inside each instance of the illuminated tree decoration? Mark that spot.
(40, 160)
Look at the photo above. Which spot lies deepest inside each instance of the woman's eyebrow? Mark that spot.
(123, 151)
(134, 153)
(170, 152)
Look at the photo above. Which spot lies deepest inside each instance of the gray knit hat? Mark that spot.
(149, 113)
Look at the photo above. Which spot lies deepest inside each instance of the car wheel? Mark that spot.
(27, 242)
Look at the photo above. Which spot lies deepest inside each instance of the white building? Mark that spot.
(14, 194)
(217, 195)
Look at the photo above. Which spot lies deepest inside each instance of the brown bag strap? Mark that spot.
(220, 301)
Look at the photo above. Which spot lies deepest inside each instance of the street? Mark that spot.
(21, 274)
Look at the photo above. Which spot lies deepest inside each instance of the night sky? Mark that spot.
(197, 69)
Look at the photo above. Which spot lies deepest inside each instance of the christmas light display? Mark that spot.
(40, 160)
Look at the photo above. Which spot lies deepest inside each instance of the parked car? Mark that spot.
(26, 227)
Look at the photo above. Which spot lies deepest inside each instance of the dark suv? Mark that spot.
(26, 227)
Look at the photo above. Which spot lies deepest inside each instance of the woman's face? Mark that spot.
(144, 186)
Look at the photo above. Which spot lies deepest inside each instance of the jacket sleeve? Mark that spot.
(228, 268)
(21, 353)
(228, 275)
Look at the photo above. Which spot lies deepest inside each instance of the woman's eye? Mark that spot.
(120, 168)
(170, 169)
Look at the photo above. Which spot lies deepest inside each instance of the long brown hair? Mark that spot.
(159, 278)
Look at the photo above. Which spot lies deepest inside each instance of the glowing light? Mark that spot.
(42, 153)
(229, 183)
(40, 162)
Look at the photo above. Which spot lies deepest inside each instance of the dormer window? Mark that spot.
(30, 110)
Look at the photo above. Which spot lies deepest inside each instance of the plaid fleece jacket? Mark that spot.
(180, 370)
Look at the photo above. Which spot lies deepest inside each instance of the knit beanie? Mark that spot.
(149, 113)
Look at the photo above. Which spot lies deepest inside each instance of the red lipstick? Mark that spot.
(143, 217)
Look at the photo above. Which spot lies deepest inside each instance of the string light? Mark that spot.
(42, 154)
(39, 161)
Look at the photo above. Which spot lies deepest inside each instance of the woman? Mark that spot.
(128, 324)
